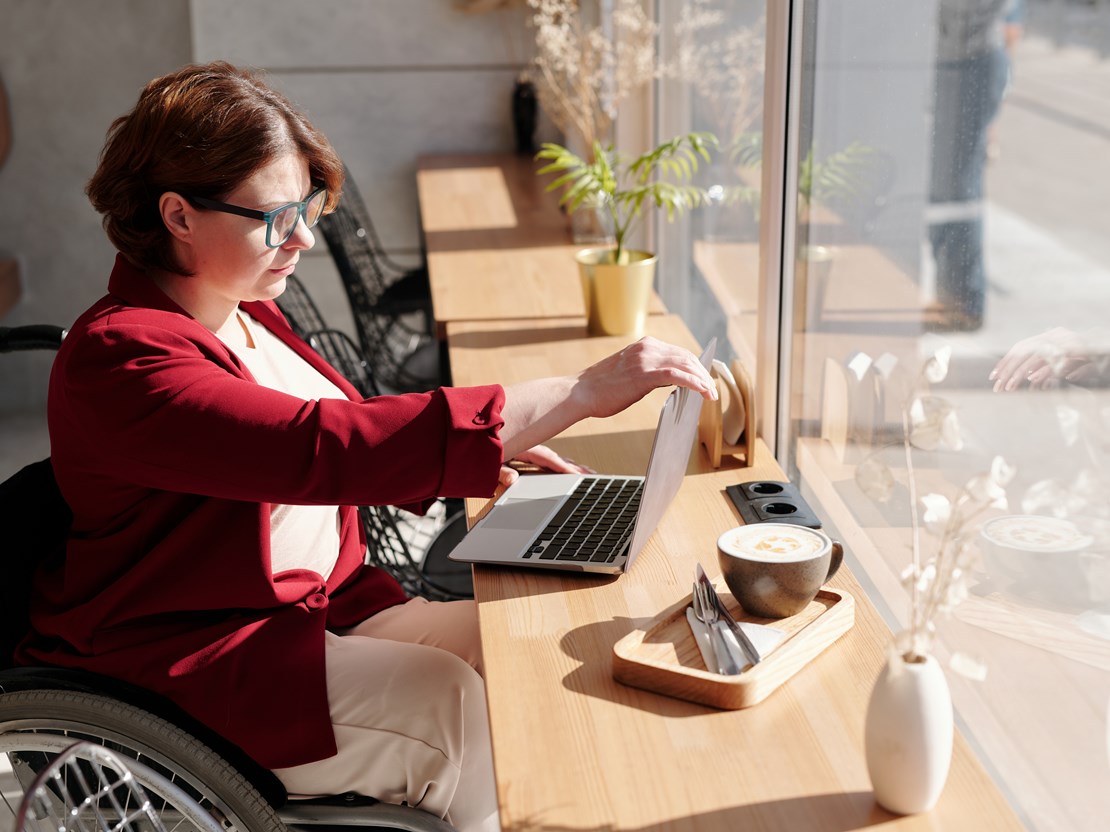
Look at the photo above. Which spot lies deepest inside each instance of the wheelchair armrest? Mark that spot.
(31, 337)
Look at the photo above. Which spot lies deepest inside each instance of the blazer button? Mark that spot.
(316, 601)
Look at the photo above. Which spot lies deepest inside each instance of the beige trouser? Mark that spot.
(408, 708)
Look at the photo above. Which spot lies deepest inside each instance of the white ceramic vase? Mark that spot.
(908, 735)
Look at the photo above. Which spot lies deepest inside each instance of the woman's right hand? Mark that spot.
(537, 410)
(625, 377)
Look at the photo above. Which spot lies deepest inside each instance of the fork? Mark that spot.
(706, 613)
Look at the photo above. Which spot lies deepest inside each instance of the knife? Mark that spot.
(731, 626)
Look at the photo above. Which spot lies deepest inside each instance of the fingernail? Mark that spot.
(993, 375)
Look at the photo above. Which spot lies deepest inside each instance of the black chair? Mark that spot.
(394, 538)
(299, 308)
(408, 290)
(336, 346)
(391, 309)
(433, 576)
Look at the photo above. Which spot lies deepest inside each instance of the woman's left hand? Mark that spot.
(1043, 361)
(542, 458)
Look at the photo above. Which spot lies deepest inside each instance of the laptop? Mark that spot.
(589, 522)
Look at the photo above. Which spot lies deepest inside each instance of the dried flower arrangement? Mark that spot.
(723, 63)
(583, 72)
(937, 583)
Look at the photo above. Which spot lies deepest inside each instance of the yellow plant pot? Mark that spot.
(616, 294)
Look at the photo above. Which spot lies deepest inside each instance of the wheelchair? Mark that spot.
(45, 710)
(87, 788)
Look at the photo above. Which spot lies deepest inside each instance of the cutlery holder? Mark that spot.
(665, 658)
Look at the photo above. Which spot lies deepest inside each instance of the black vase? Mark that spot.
(525, 112)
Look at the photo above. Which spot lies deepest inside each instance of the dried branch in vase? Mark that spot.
(937, 582)
(583, 72)
(723, 62)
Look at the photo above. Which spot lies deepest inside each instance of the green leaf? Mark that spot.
(562, 180)
(659, 175)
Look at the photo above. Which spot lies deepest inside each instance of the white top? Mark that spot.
(301, 537)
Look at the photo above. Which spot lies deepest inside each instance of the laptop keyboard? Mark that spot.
(594, 523)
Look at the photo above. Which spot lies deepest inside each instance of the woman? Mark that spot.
(212, 462)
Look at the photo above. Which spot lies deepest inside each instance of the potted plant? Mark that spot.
(589, 59)
(616, 281)
(851, 181)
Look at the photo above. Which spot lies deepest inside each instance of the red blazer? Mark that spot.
(169, 454)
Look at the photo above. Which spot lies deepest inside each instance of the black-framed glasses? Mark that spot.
(281, 222)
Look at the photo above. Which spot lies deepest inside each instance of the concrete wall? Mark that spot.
(386, 80)
(69, 69)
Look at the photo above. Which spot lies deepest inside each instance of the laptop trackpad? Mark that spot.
(521, 515)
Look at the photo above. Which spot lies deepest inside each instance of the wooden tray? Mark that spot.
(665, 658)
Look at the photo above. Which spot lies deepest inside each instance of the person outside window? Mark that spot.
(972, 69)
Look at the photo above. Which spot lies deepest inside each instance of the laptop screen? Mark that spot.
(670, 454)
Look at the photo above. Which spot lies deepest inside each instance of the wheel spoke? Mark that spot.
(46, 722)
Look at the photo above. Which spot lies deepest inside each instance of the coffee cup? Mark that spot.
(775, 569)
(1038, 557)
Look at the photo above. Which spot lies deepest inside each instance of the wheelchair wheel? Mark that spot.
(36, 725)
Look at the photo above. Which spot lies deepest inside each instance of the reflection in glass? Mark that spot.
(715, 51)
(965, 145)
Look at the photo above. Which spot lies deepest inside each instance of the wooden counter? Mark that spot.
(576, 750)
(498, 245)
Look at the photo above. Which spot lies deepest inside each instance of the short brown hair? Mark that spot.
(200, 131)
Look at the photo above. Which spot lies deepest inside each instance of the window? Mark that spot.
(948, 172)
(716, 51)
(944, 188)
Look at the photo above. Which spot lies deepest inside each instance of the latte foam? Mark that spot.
(773, 543)
(1035, 533)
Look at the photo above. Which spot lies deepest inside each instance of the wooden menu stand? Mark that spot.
(711, 423)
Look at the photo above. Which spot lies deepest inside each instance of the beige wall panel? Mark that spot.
(380, 123)
(378, 33)
(70, 69)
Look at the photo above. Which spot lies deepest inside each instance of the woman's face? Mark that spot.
(229, 254)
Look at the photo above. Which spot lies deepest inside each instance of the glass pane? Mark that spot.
(709, 268)
(315, 208)
(951, 187)
(283, 224)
